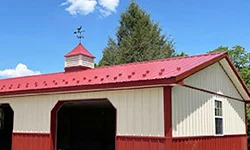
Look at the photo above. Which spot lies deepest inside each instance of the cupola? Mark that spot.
(79, 59)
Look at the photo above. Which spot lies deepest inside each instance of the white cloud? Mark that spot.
(109, 4)
(20, 70)
(85, 7)
(105, 12)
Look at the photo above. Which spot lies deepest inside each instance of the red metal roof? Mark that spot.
(79, 50)
(165, 69)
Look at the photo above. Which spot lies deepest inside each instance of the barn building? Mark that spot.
(184, 103)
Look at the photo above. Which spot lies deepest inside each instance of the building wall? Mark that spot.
(139, 111)
(231, 142)
(24, 141)
(193, 113)
(140, 143)
(140, 123)
(30, 141)
(213, 78)
(193, 110)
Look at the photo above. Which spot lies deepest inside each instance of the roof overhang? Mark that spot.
(235, 77)
(177, 79)
(97, 87)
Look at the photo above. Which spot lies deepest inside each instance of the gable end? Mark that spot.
(214, 78)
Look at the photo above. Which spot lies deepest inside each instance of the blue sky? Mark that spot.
(38, 34)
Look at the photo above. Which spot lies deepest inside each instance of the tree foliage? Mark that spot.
(138, 38)
(109, 54)
(241, 60)
(181, 54)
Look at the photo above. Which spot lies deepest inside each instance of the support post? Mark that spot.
(167, 93)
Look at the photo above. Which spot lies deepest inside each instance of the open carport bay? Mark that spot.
(88, 124)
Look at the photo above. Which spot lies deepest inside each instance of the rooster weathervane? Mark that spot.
(78, 34)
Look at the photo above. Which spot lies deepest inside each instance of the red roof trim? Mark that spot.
(200, 67)
(94, 87)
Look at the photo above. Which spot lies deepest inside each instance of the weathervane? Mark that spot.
(79, 34)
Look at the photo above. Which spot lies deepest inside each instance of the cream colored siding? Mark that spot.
(72, 61)
(193, 113)
(234, 79)
(139, 111)
(214, 79)
(234, 117)
(193, 110)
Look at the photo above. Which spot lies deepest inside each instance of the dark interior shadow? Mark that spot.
(6, 126)
(89, 125)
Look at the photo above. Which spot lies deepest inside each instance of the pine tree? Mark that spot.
(138, 38)
(109, 54)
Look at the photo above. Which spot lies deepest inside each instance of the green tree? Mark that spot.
(241, 60)
(109, 54)
(181, 54)
(138, 38)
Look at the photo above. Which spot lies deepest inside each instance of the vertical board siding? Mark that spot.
(30, 141)
(193, 113)
(140, 143)
(234, 78)
(36, 141)
(238, 142)
(193, 110)
(213, 79)
(232, 142)
(234, 117)
(139, 111)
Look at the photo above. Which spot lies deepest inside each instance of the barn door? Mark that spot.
(88, 124)
(6, 126)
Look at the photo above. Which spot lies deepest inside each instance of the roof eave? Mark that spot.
(192, 71)
(97, 87)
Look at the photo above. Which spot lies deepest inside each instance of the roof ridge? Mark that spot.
(157, 71)
(159, 60)
(120, 65)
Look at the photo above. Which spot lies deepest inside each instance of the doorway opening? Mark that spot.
(6, 126)
(87, 124)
